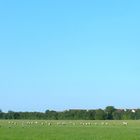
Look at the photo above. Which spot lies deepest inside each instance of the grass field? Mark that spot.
(69, 130)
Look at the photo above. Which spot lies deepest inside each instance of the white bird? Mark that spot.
(125, 123)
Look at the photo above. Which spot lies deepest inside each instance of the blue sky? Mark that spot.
(58, 54)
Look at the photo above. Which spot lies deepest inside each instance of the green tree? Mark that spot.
(16, 115)
(100, 114)
(137, 115)
(51, 115)
(91, 114)
(128, 115)
(109, 112)
(117, 114)
(1, 114)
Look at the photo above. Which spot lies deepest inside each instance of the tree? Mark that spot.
(109, 112)
(91, 114)
(100, 115)
(16, 115)
(137, 115)
(10, 114)
(1, 114)
(117, 114)
(51, 115)
(128, 115)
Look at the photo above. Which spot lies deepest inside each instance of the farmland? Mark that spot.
(69, 130)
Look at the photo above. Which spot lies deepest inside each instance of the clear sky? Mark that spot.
(64, 54)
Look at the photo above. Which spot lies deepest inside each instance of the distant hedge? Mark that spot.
(109, 113)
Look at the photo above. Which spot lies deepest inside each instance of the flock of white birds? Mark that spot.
(24, 124)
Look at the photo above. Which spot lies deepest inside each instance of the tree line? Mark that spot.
(109, 113)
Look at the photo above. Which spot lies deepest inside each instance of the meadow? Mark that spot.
(69, 130)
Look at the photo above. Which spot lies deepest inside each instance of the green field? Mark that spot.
(69, 130)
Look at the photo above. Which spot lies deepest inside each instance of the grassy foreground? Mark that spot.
(69, 130)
